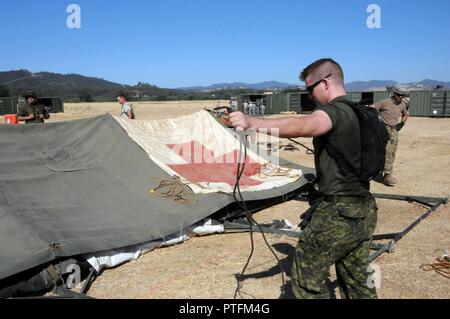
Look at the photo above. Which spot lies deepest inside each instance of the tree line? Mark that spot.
(139, 92)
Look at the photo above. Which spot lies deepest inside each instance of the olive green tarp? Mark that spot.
(82, 186)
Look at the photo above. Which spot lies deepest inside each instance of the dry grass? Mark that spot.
(205, 267)
(144, 110)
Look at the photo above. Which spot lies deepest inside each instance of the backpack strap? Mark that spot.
(344, 166)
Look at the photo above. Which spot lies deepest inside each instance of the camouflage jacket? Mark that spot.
(36, 109)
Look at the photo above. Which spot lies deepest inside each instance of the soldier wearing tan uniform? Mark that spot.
(392, 110)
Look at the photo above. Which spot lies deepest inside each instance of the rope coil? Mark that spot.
(442, 266)
(270, 170)
(175, 190)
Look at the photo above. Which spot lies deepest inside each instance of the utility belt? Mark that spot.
(334, 199)
(345, 199)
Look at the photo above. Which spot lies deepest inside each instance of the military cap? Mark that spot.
(399, 91)
(30, 94)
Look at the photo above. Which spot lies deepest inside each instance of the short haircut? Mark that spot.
(321, 68)
(122, 95)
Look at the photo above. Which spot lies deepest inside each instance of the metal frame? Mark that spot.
(60, 290)
(431, 202)
(276, 227)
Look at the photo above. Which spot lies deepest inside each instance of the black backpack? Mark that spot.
(374, 139)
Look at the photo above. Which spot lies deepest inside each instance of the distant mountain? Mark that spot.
(23, 79)
(431, 84)
(373, 85)
(368, 85)
(267, 85)
(376, 85)
(53, 84)
(75, 87)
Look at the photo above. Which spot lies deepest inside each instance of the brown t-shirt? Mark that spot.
(390, 112)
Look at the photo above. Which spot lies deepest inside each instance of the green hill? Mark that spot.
(74, 87)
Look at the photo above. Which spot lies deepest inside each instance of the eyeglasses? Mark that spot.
(311, 88)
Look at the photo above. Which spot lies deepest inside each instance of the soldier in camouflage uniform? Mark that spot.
(391, 110)
(338, 228)
(32, 112)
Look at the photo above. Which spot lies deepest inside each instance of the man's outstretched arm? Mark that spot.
(316, 124)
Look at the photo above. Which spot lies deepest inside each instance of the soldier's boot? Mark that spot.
(389, 180)
(379, 178)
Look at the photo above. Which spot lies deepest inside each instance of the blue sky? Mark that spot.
(175, 43)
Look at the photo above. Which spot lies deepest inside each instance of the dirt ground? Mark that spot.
(206, 267)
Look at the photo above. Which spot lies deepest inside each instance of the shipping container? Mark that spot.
(278, 103)
(8, 105)
(422, 103)
(53, 104)
(380, 95)
(440, 104)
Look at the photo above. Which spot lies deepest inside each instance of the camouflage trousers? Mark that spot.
(391, 150)
(339, 233)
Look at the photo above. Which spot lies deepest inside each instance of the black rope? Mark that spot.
(251, 221)
(309, 151)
